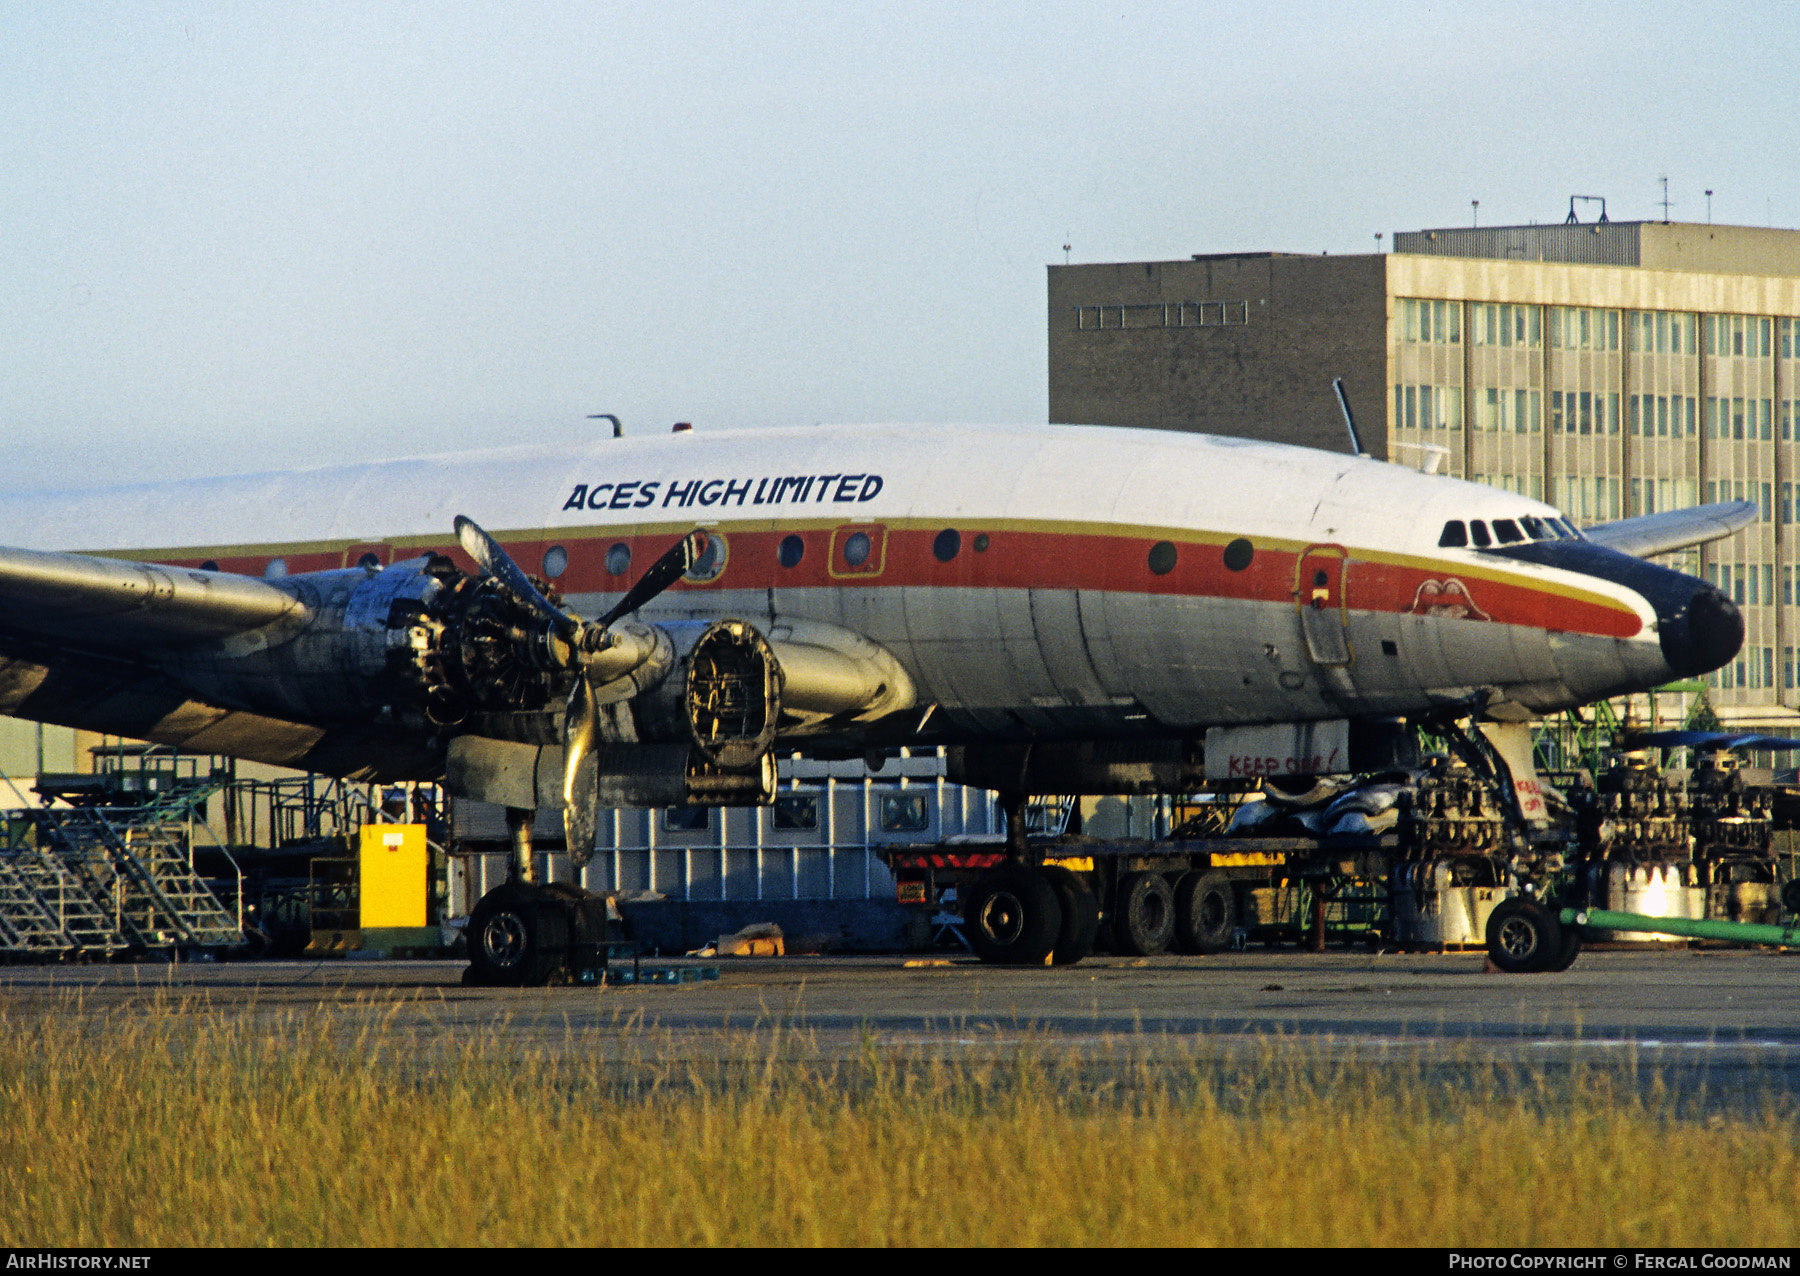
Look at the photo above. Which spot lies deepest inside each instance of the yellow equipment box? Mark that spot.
(394, 869)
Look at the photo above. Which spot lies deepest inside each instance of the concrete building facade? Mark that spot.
(1613, 369)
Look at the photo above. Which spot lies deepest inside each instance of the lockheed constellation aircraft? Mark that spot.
(650, 621)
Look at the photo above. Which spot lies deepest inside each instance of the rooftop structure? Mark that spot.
(1612, 368)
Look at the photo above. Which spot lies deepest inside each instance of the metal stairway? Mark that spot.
(45, 908)
(95, 880)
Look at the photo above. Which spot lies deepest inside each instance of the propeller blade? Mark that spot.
(497, 563)
(580, 726)
(664, 572)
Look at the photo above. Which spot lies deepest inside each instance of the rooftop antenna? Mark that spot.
(1377, 241)
(618, 430)
(1066, 238)
(1337, 387)
(1665, 198)
(1475, 212)
(1591, 199)
(1709, 207)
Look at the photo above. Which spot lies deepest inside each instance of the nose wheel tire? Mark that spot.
(1571, 949)
(1013, 916)
(1523, 937)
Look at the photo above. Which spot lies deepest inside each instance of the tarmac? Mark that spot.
(1726, 1020)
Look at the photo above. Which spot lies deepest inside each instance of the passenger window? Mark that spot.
(1455, 535)
(1506, 531)
(1479, 534)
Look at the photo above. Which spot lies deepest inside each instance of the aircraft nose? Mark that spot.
(1700, 631)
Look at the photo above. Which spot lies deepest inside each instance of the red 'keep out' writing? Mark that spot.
(1319, 763)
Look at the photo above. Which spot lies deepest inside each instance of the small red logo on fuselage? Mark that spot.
(1446, 598)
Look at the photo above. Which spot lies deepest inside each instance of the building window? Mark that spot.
(1739, 336)
(1510, 411)
(904, 812)
(1659, 332)
(1737, 418)
(1431, 322)
(687, 819)
(1583, 412)
(1497, 325)
(794, 811)
(1583, 328)
(1427, 407)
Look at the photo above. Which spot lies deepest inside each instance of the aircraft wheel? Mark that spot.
(1522, 936)
(1080, 915)
(512, 937)
(1571, 948)
(1143, 921)
(1205, 913)
(1013, 917)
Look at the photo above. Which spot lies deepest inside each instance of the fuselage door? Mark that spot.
(1320, 594)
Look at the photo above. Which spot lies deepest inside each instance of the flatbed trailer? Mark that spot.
(1455, 868)
(1141, 897)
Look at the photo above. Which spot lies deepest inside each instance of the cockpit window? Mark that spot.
(1455, 534)
(1574, 531)
(1506, 531)
(1479, 534)
(1535, 529)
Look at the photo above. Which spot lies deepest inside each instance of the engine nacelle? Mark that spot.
(530, 776)
(700, 734)
(419, 642)
(689, 710)
(725, 701)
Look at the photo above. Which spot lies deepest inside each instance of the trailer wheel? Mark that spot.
(1522, 937)
(1790, 896)
(1012, 917)
(512, 937)
(1143, 915)
(1080, 915)
(1205, 913)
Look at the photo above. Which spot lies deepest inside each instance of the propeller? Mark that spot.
(580, 643)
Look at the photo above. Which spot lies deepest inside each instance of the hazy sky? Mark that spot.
(241, 237)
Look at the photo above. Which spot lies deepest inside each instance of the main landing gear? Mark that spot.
(525, 933)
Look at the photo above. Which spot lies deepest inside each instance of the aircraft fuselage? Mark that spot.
(1030, 582)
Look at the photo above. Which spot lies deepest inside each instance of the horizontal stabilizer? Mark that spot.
(107, 602)
(1651, 534)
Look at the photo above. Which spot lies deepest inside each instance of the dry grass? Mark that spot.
(177, 1129)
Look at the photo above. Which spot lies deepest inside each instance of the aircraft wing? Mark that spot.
(1652, 534)
(1719, 740)
(113, 604)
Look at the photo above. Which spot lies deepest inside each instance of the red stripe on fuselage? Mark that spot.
(1034, 559)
